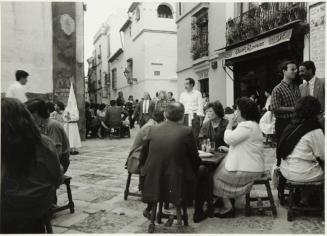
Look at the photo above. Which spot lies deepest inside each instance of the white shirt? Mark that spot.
(312, 85)
(268, 102)
(16, 90)
(301, 164)
(146, 106)
(246, 148)
(192, 102)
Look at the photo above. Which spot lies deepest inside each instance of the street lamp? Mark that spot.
(128, 76)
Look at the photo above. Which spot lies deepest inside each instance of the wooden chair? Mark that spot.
(70, 204)
(263, 181)
(115, 132)
(312, 186)
(127, 192)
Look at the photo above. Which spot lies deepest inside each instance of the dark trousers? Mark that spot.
(144, 118)
(280, 125)
(131, 120)
(203, 189)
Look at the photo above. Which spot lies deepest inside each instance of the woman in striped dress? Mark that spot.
(244, 162)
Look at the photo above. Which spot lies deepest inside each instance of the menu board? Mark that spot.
(317, 37)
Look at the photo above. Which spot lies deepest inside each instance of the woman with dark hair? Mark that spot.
(30, 171)
(244, 162)
(302, 144)
(51, 107)
(215, 127)
(58, 113)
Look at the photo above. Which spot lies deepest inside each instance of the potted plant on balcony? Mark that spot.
(265, 6)
(230, 22)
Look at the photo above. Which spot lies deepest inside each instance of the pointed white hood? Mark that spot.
(71, 112)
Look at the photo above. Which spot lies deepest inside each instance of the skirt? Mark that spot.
(232, 184)
(73, 135)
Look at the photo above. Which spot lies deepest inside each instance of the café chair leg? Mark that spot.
(290, 207)
(70, 198)
(127, 186)
(179, 215)
(271, 200)
(247, 205)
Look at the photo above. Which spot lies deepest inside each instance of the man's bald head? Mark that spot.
(175, 111)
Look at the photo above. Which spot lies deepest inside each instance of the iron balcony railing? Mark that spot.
(263, 18)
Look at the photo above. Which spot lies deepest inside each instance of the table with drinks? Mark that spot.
(211, 157)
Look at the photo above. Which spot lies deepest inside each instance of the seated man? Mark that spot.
(114, 117)
(170, 162)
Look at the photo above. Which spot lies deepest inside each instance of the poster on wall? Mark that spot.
(317, 16)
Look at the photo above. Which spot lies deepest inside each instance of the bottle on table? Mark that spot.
(208, 145)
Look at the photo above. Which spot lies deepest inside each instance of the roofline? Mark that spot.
(125, 25)
(132, 6)
(116, 54)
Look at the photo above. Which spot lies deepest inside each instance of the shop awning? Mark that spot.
(260, 44)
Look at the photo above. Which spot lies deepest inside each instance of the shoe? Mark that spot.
(228, 214)
(210, 212)
(199, 216)
(74, 153)
(147, 214)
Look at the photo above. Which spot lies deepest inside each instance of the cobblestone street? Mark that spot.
(98, 184)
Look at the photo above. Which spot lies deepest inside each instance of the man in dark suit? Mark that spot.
(314, 86)
(171, 163)
(144, 109)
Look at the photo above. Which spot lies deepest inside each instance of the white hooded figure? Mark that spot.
(71, 117)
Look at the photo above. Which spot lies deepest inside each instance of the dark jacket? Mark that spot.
(139, 109)
(31, 196)
(171, 160)
(214, 134)
(113, 116)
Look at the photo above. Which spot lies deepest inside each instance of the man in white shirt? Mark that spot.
(17, 90)
(193, 103)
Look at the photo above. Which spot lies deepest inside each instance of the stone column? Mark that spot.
(67, 27)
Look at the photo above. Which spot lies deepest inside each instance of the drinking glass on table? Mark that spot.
(212, 147)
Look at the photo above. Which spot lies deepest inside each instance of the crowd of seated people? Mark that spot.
(169, 146)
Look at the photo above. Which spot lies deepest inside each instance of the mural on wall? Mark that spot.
(317, 37)
(64, 49)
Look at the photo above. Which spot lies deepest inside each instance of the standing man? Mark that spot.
(130, 109)
(17, 90)
(144, 109)
(284, 97)
(170, 97)
(193, 102)
(120, 99)
(314, 86)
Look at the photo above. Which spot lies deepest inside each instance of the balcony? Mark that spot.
(262, 19)
(199, 34)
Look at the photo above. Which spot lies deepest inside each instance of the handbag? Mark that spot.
(133, 161)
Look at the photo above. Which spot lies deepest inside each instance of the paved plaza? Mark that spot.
(98, 184)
